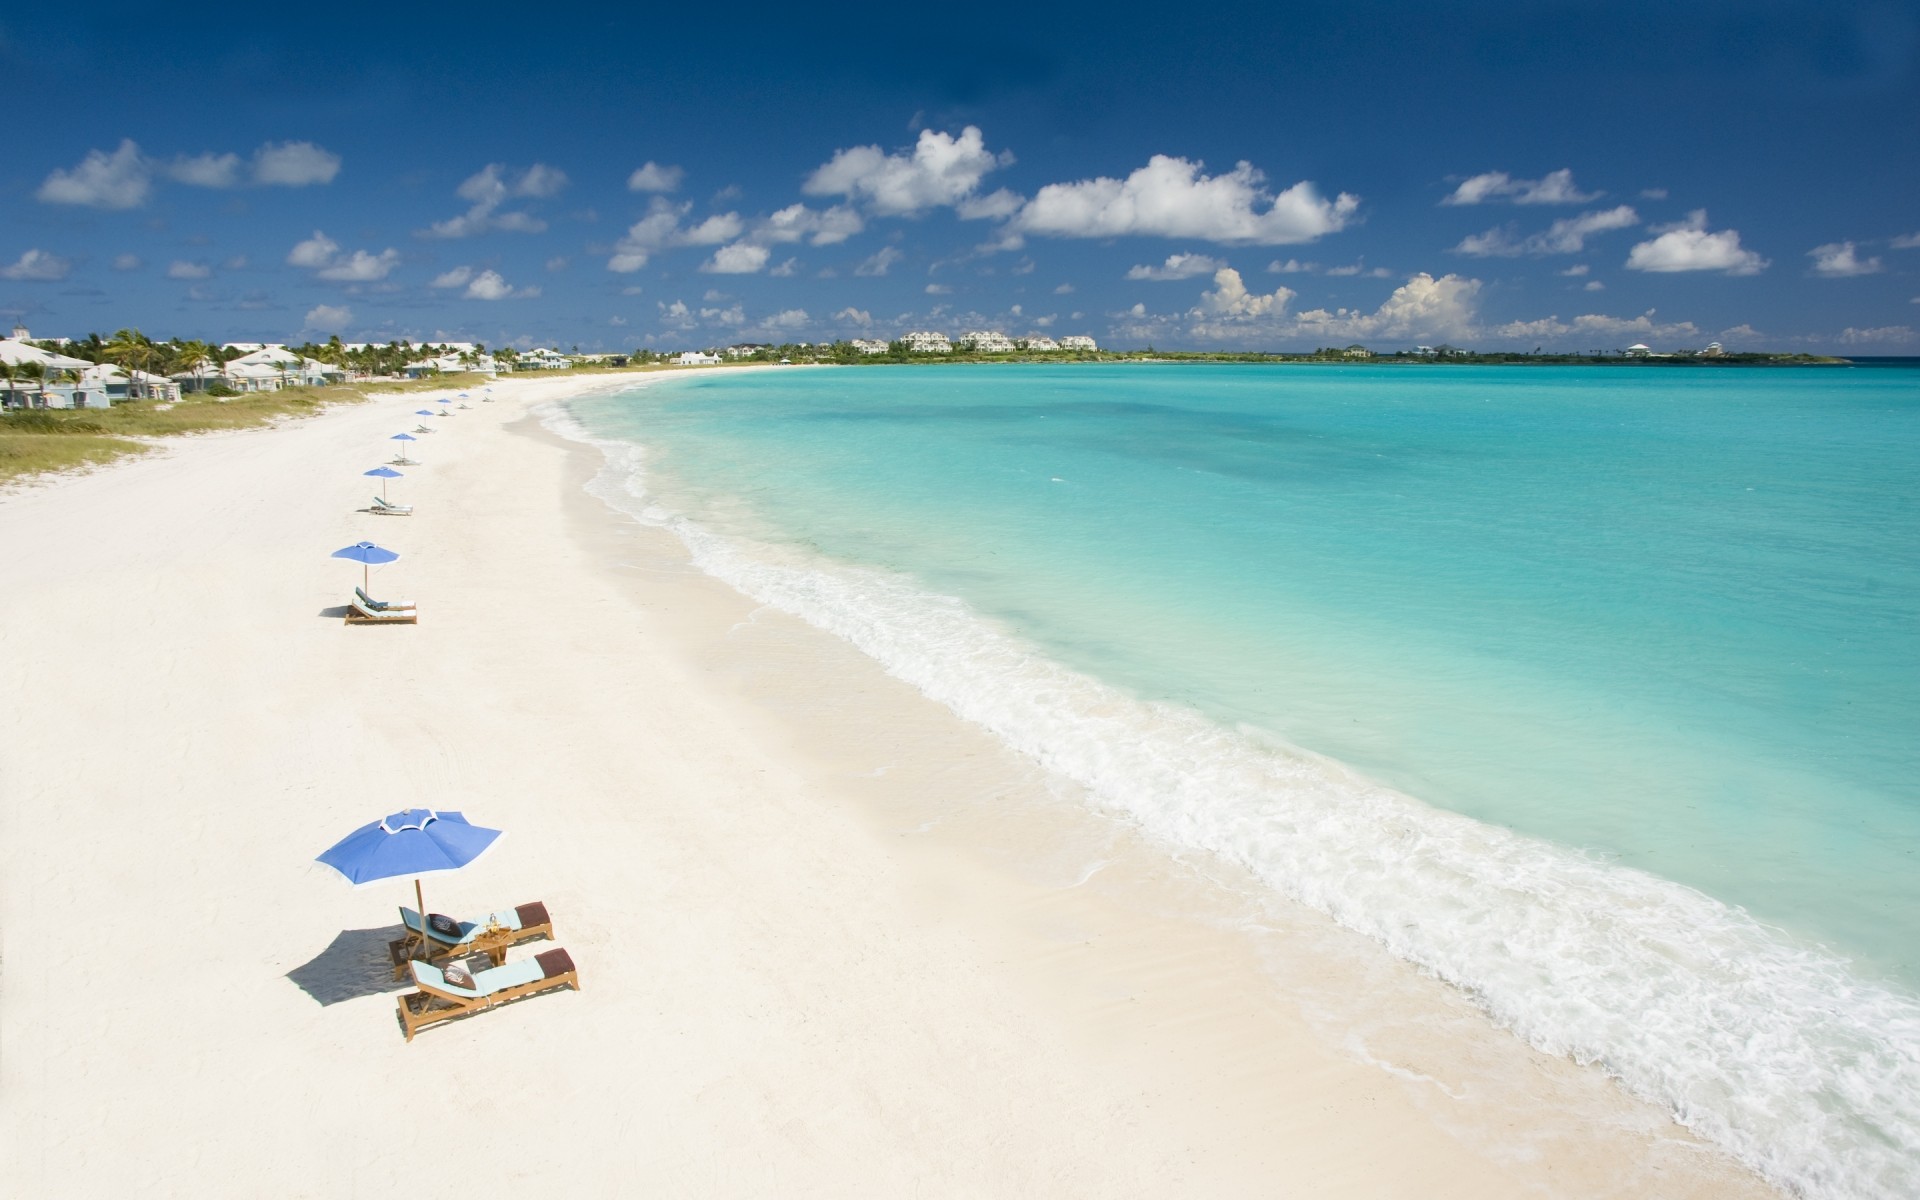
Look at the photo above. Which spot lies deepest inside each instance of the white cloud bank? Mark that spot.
(492, 186)
(751, 245)
(652, 177)
(1840, 260)
(1566, 236)
(119, 180)
(124, 178)
(327, 318)
(1553, 188)
(1178, 266)
(37, 266)
(1689, 247)
(1880, 336)
(321, 255)
(1171, 197)
(488, 285)
(939, 171)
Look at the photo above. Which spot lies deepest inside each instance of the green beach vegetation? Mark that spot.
(39, 440)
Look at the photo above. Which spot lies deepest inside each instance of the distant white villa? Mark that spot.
(696, 358)
(65, 382)
(927, 343)
(1077, 342)
(1038, 342)
(1638, 350)
(981, 342)
(869, 346)
(745, 349)
(1713, 350)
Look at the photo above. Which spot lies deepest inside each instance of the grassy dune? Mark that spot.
(37, 441)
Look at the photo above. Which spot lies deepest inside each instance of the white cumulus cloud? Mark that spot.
(316, 251)
(737, 258)
(208, 170)
(1906, 241)
(321, 255)
(488, 285)
(1688, 246)
(490, 187)
(294, 164)
(786, 319)
(37, 266)
(1882, 334)
(361, 267)
(854, 316)
(825, 227)
(181, 269)
(327, 318)
(1566, 236)
(1178, 266)
(1838, 260)
(652, 177)
(127, 262)
(1554, 188)
(940, 170)
(101, 180)
(1170, 197)
(1230, 298)
(1582, 331)
(880, 262)
(453, 278)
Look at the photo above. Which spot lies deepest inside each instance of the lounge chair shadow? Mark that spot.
(336, 612)
(354, 964)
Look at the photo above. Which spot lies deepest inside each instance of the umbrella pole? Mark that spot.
(421, 901)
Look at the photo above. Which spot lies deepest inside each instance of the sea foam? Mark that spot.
(1770, 1048)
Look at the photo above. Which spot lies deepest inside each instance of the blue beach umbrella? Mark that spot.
(416, 842)
(367, 555)
(383, 474)
(403, 460)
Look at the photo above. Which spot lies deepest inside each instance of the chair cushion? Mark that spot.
(443, 925)
(457, 975)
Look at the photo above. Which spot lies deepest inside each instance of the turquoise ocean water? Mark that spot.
(1594, 691)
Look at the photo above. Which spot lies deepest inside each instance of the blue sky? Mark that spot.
(1560, 174)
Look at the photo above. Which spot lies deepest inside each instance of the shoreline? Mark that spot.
(833, 940)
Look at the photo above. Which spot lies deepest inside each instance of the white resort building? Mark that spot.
(1038, 343)
(869, 346)
(987, 343)
(927, 343)
(696, 358)
(1077, 342)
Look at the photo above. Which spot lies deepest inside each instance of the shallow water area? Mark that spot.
(1646, 632)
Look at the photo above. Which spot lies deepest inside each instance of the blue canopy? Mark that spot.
(403, 437)
(384, 473)
(366, 552)
(422, 412)
(416, 842)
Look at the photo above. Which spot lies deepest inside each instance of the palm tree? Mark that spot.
(7, 373)
(135, 351)
(37, 372)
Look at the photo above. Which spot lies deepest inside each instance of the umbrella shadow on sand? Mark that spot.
(354, 964)
(336, 612)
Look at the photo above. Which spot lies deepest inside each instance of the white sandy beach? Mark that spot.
(832, 941)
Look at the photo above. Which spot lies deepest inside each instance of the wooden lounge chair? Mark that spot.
(438, 1000)
(360, 614)
(490, 935)
(391, 510)
(382, 605)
